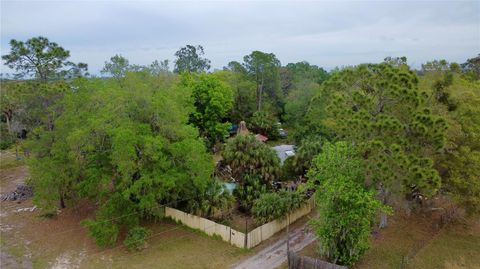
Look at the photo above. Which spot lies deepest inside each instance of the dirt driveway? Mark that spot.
(276, 254)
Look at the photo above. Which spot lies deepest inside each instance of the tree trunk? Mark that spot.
(62, 202)
(383, 196)
(259, 95)
(8, 117)
(383, 220)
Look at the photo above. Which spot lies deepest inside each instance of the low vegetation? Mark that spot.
(274, 205)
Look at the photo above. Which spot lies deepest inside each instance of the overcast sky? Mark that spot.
(327, 34)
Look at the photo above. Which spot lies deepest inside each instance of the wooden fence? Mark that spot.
(233, 236)
(227, 234)
(303, 262)
(267, 230)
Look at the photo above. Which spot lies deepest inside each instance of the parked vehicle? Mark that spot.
(282, 133)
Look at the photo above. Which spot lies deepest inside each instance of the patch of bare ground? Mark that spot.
(11, 177)
(29, 240)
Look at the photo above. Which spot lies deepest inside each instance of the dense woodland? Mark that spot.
(370, 139)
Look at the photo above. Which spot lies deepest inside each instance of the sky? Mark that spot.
(325, 33)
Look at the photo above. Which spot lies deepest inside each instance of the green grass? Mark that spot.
(457, 246)
(184, 248)
(170, 246)
(8, 159)
(412, 244)
(452, 248)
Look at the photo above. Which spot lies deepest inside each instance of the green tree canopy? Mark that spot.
(346, 209)
(380, 108)
(161, 67)
(117, 67)
(127, 148)
(304, 71)
(190, 60)
(472, 67)
(213, 100)
(42, 59)
(346, 212)
(300, 82)
(457, 98)
(264, 123)
(263, 68)
(248, 156)
(305, 152)
(244, 95)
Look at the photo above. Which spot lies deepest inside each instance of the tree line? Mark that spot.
(370, 138)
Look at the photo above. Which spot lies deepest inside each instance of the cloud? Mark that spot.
(328, 34)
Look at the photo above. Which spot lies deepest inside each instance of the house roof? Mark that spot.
(261, 138)
(284, 151)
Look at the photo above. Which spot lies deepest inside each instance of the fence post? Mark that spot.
(288, 239)
(246, 232)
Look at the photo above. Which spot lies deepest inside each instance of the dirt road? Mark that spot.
(275, 254)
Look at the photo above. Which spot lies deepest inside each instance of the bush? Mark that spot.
(135, 239)
(104, 232)
(6, 143)
(248, 191)
(309, 147)
(270, 206)
(212, 202)
(288, 169)
(6, 140)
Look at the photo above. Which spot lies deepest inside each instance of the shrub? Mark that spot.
(249, 191)
(6, 140)
(104, 232)
(135, 239)
(213, 201)
(270, 206)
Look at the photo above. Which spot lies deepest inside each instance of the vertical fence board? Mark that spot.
(237, 238)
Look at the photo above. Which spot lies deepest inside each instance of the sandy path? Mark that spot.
(276, 254)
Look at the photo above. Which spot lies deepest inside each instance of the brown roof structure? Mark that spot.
(261, 138)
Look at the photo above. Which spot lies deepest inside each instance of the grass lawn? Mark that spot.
(456, 246)
(28, 240)
(62, 241)
(8, 159)
(181, 248)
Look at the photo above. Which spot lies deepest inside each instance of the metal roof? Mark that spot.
(284, 151)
